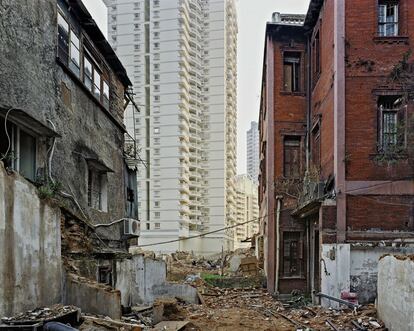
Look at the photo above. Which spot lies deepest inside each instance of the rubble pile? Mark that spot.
(40, 316)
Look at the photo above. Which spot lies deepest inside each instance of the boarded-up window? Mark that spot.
(292, 254)
(292, 158)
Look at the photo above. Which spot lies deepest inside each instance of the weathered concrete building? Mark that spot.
(336, 131)
(63, 93)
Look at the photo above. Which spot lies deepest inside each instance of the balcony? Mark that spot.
(314, 191)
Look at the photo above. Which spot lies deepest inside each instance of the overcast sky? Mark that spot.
(252, 18)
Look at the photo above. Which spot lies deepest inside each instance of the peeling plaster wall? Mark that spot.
(364, 269)
(32, 80)
(30, 262)
(337, 260)
(141, 280)
(396, 293)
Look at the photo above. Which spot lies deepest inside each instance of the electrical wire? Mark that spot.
(7, 134)
(205, 233)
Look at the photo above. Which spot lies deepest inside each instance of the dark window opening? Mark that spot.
(97, 189)
(292, 159)
(392, 134)
(105, 275)
(292, 254)
(388, 18)
(292, 72)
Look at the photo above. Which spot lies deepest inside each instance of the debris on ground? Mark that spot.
(60, 313)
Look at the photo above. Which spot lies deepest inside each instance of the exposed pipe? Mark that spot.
(344, 302)
(278, 198)
(50, 152)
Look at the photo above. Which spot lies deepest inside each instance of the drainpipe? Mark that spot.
(308, 100)
(277, 242)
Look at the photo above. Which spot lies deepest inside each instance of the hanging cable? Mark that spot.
(7, 134)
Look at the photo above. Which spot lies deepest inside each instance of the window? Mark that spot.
(20, 154)
(316, 146)
(291, 72)
(87, 73)
(157, 214)
(156, 3)
(74, 64)
(156, 45)
(136, 16)
(391, 123)
(96, 83)
(156, 35)
(105, 94)
(156, 98)
(292, 254)
(291, 157)
(157, 77)
(388, 18)
(316, 57)
(105, 275)
(97, 189)
(156, 25)
(156, 130)
(157, 226)
(63, 39)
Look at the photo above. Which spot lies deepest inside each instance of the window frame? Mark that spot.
(387, 4)
(296, 72)
(15, 132)
(316, 52)
(400, 116)
(86, 51)
(298, 138)
(288, 257)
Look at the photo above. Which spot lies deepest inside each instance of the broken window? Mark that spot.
(388, 18)
(291, 154)
(292, 254)
(391, 123)
(291, 72)
(97, 83)
(97, 189)
(105, 94)
(18, 150)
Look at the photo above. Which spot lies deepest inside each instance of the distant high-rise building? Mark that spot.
(181, 56)
(247, 209)
(253, 151)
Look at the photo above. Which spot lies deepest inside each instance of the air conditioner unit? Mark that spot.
(132, 227)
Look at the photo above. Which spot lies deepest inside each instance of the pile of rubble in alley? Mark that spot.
(232, 297)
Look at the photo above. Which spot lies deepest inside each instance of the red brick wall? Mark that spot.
(322, 97)
(388, 213)
(369, 62)
(289, 108)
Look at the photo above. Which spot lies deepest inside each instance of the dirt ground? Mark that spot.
(253, 309)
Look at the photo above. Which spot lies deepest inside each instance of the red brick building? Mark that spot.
(336, 135)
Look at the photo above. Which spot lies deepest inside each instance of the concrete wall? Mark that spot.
(396, 292)
(141, 280)
(32, 80)
(364, 269)
(92, 297)
(30, 262)
(353, 268)
(336, 278)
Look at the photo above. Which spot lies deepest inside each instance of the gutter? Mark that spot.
(277, 242)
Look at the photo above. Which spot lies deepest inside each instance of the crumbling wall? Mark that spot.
(142, 280)
(92, 297)
(30, 262)
(396, 292)
(364, 268)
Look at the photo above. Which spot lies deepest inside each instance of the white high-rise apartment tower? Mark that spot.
(181, 56)
(253, 151)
